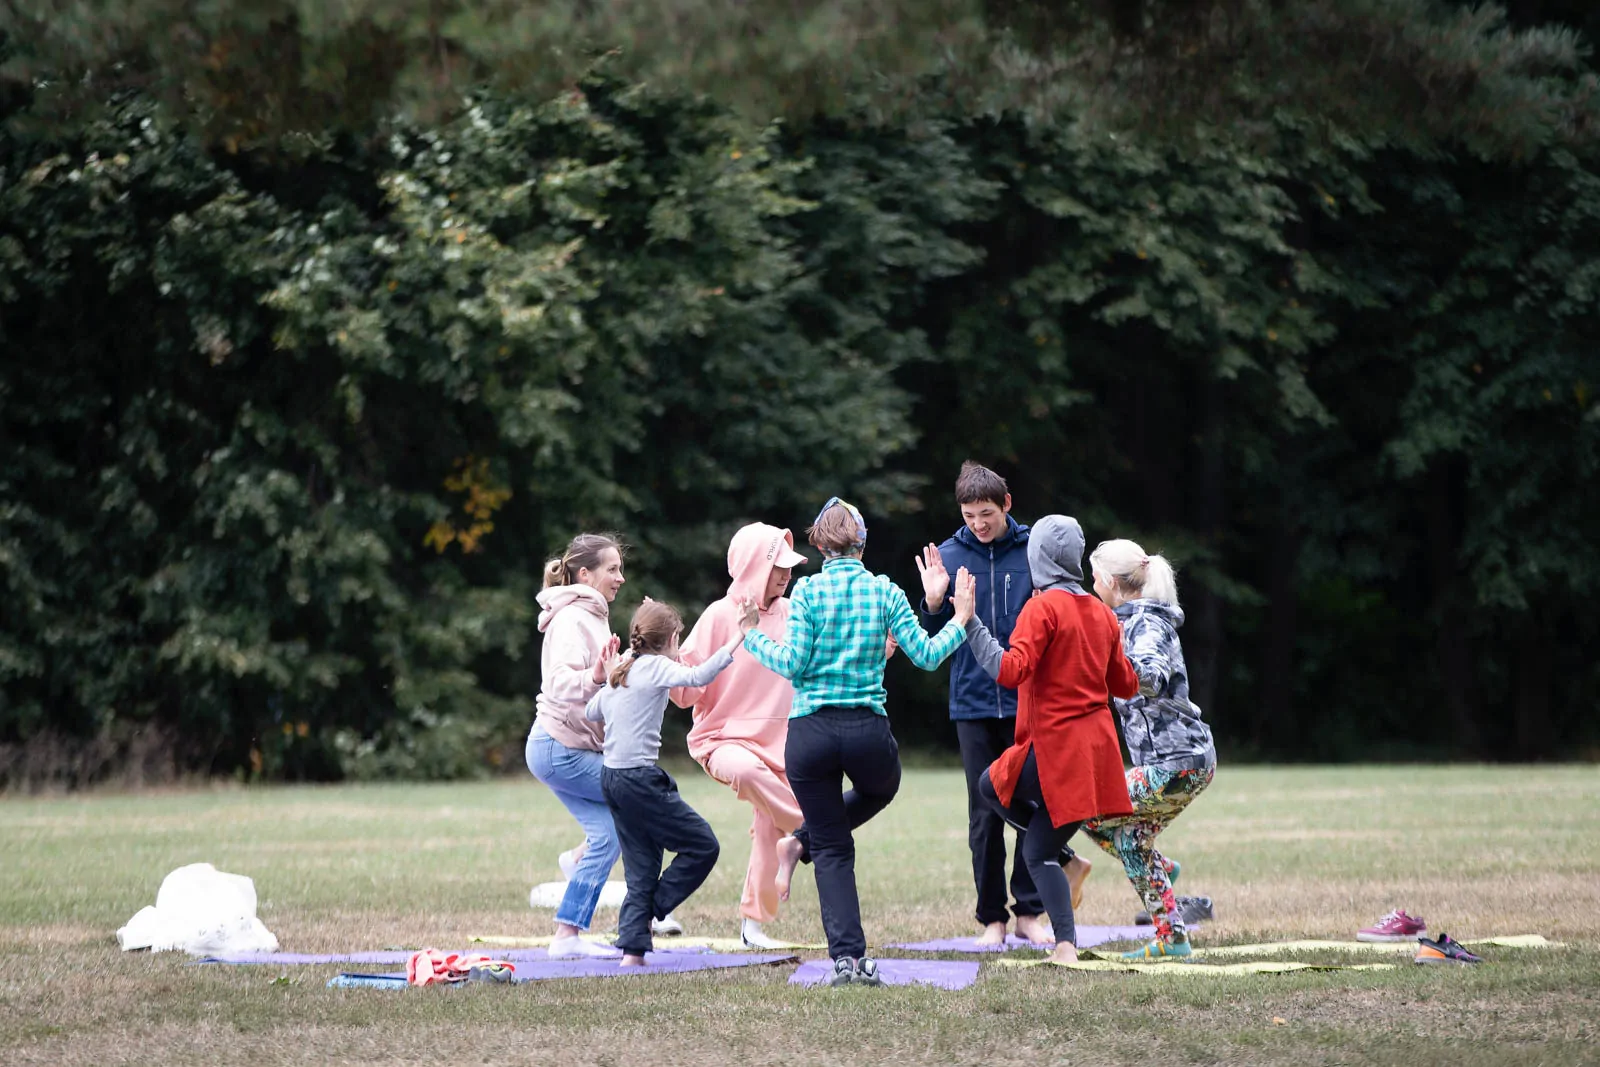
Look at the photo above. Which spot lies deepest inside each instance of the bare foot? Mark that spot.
(1077, 872)
(1029, 928)
(993, 934)
(1066, 952)
(789, 851)
(632, 961)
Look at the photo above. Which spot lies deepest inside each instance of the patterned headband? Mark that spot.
(861, 524)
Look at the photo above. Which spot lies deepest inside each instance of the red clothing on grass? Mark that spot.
(1065, 662)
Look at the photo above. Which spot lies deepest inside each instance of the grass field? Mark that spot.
(1284, 851)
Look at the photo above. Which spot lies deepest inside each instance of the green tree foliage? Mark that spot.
(288, 443)
(290, 423)
(1390, 71)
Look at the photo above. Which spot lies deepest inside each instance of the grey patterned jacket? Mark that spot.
(1161, 725)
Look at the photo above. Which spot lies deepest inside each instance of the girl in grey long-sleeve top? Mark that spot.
(651, 818)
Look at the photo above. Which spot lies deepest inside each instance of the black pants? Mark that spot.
(652, 819)
(822, 748)
(1042, 849)
(982, 741)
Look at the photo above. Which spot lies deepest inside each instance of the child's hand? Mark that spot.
(935, 579)
(607, 659)
(749, 615)
(966, 597)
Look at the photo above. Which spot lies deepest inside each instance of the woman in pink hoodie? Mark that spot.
(741, 719)
(564, 747)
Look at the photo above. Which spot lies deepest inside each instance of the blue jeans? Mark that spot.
(573, 775)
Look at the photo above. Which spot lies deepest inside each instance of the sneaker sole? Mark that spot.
(1374, 939)
(1431, 960)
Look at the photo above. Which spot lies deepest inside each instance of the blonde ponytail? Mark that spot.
(1137, 575)
(1159, 581)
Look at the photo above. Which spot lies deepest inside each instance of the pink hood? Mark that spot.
(752, 554)
(552, 600)
(747, 704)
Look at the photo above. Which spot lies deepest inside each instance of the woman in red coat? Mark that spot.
(1066, 662)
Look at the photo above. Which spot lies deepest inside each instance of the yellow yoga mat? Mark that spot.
(1197, 970)
(1273, 947)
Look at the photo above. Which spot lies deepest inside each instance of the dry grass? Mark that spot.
(1285, 852)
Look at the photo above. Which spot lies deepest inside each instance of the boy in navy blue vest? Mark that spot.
(993, 547)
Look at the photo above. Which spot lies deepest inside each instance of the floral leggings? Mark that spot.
(1158, 796)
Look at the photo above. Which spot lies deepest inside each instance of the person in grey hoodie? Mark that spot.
(1170, 747)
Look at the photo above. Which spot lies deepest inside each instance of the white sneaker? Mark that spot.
(752, 936)
(666, 926)
(570, 948)
(568, 862)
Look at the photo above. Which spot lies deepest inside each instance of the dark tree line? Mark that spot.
(291, 418)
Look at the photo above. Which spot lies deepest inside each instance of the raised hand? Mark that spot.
(607, 659)
(935, 579)
(749, 615)
(966, 598)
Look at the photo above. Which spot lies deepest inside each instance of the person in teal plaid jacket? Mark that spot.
(840, 622)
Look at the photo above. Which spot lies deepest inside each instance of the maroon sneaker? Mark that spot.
(1395, 926)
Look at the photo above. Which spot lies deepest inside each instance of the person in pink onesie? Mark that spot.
(741, 720)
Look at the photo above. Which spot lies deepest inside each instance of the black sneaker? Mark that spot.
(844, 971)
(1444, 950)
(867, 972)
(1193, 910)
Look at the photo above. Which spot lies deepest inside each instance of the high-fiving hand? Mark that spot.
(609, 653)
(935, 579)
(966, 598)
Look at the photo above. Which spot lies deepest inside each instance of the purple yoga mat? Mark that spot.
(515, 955)
(545, 970)
(1088, 937)
(944, 974)
(654, 963)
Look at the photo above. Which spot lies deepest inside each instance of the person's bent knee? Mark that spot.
(601, 846)
(986, 788)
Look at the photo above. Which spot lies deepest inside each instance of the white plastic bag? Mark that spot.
(201, 910)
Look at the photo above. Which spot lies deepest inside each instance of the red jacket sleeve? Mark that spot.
(1035, 628)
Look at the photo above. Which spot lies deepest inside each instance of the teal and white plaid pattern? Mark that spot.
(839, 625)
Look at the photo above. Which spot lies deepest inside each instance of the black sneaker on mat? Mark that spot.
(1193, 910)
(867, 972)
(1444, 950)
(844, 971)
